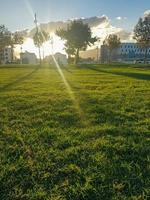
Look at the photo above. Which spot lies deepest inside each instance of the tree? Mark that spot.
(5, 38)
(113, 42)
(142, 34)
(9, 39)
(39, 39)
(70, 50)
(78, 36)
(46, 37)
(16, 39)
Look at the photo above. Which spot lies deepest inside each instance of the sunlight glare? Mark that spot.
(29, 8)
(69, 90)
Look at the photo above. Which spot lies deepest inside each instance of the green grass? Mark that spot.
(91, 144)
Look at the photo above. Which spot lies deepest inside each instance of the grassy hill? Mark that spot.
(81, 136)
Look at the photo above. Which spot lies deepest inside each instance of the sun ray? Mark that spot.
(64, 79)
(29, 8)
(70, 92)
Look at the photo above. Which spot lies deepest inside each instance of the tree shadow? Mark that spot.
(19, 80)
(141, 76)
(11, 66)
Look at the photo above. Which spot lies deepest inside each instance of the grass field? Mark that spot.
(85, 139)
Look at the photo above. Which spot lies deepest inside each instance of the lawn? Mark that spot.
(81, 136)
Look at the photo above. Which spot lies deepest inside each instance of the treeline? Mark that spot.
(7, 38)
(77, 37)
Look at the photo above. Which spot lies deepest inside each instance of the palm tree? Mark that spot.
(39, 39)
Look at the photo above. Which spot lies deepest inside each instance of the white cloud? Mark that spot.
(101, 27)
(121, 18)
(105, 28)
(147, 13)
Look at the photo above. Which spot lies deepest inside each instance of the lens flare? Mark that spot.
(29, 8)
(70, 92)
(63, 78)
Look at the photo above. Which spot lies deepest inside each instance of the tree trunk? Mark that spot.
(40, 55)
(69, 59)
(21, 55)
(97, 55)
(12, 53)
(77, 56)
(43, 53)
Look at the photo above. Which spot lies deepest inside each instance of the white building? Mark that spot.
(28, 58)
(61, 58)
(132, 52)
(6, 55)
(127, 52)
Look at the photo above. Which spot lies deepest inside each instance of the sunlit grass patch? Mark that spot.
(93, 146)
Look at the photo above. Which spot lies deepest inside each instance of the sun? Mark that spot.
(58, 46)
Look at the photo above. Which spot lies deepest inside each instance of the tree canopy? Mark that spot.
(5, 37)
(78, 36)
(17, 38)
(142, 33)
(113, 42)
(39, 39)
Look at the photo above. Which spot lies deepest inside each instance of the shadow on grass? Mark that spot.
(20, 79)
(18, 66)
(140, 76)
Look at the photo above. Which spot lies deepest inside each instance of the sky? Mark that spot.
(18, 14)
(121, 17)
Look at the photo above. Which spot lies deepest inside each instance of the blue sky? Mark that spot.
(17, 14)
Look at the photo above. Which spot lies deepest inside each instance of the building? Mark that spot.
(28, 58)
(6, 55)
(127, 52)
(60, 58)
(92, 54)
